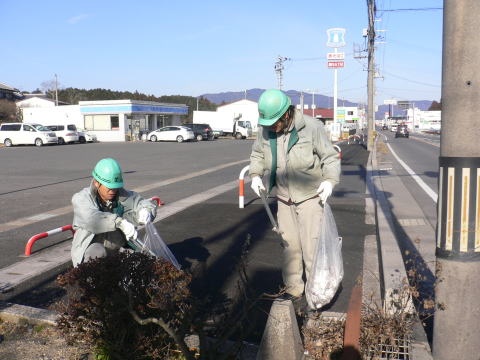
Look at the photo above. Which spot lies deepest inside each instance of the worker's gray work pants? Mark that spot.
(104, 244)
(300, 227)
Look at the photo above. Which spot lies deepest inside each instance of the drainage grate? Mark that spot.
(400, 349)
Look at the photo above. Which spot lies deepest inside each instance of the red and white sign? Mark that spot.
(336, 64)
(336, 56)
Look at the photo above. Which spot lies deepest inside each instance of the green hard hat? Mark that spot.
(272, 105)
(108, 173)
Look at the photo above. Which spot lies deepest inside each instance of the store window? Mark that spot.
(114, 122)
(101, 122)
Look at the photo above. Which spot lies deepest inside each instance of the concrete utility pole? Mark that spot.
(371, 72)
(457, 313)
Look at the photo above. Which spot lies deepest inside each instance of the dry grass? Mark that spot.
(382, 331)
(23, 341)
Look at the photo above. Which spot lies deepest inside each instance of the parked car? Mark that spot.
(393, 128)
(66, 134)
(171, 133)
(384, 127)
(402, 131)
(201, 131)
(86, 136)
(26, 134)
(217, 133)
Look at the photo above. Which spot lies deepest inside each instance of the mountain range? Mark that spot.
(321, 101)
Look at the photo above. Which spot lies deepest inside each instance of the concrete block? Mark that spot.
(16, 313)
(281, 339)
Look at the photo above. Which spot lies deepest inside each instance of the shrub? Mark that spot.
(103, 294)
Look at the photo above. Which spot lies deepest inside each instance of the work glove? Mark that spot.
(257, 185)
(144, 216)
(324, 191)
(128, 229)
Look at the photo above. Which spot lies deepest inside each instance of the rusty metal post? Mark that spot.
(351, 337)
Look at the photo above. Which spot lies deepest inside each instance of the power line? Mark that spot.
(411, 9)
(412, 81)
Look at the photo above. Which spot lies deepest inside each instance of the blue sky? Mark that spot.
(196, 47)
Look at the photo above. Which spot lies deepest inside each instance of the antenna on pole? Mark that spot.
(279, 70)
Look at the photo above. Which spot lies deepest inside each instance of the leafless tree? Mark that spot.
(8, 111)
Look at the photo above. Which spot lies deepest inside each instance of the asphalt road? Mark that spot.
(207, 237)
(420, 152)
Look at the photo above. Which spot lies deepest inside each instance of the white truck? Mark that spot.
(240, 129)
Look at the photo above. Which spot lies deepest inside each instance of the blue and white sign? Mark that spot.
(336, 37)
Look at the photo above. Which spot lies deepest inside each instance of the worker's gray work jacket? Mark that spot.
(310, 157)
(89, 220)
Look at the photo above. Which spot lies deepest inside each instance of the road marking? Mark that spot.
(180, 205)
(15, 274)
(412, 222)
(68, 209)
(433, 195)
(185, 177)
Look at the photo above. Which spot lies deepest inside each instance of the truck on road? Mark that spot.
(236, 127)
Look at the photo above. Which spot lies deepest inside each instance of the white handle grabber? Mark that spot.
(275, 228)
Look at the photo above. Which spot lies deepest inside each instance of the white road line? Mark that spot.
(14, 224)
(180, 205)
(15, 274)
(185, 177)
(415, 177)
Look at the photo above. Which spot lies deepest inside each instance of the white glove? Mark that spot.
(128, 229)
(144, 216)
(325, 190)
(257, 185)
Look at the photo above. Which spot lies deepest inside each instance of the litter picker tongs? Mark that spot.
(263, 196)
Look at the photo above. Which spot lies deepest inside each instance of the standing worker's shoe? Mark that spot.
(299, 302)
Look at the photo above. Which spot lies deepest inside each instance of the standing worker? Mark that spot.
(105, 214)
(304, 167)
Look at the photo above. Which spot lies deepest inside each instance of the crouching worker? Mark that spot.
(105, 214)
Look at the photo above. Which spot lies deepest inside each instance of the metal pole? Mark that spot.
(335, 94)
(371, 72)
(56, 90)
(301, 101)
(457, 291)
(313, 103)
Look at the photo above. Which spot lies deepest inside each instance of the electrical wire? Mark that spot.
(412, 81)
(411, 9)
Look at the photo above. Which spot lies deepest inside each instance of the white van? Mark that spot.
(26, 134)
(65, 133)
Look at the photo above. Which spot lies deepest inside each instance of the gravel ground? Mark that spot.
(22, 341)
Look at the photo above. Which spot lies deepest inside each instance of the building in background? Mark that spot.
(9, 93)
(424, 120)
(109, 120)
(228, 115)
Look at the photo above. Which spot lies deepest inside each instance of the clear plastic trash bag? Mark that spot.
(153, 243)
(327, 267)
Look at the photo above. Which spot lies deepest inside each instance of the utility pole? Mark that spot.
(279, 70)
(301, 101)
(371, 72)
(457, 292)
(56, 90)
